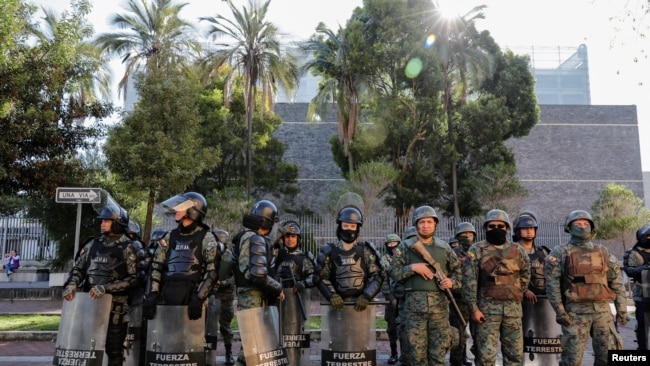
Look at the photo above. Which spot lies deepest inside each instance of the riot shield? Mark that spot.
(541, 333)
(172, 338)
(260, 338)
(133, 336)
(212, 326)
(348, 335)
(294, 317)
(350, 199)
(81, 339)
(645, 286)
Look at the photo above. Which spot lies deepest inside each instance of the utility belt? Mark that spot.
(288, 283)
(250, 291)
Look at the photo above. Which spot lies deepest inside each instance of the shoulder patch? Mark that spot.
(397, 252)
(471, 255)
(552, 260)
(163, 243)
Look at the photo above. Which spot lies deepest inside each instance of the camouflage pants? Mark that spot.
(428, 337)
(459, 352)
(574, 338)
(497, 328)
(245, 301)
(390, 316)
(401, 333)
(226, 313)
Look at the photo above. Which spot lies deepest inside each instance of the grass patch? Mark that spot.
(46, 322)
(30, 322)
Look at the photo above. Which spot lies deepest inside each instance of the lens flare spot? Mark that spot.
(413, 68)
(431, 39)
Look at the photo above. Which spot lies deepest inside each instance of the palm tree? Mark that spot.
(93, 82)
(252, 49)
(340, 85)
(460, 57)
(151, 31)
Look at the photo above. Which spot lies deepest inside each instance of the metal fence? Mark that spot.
(27, 237)
(30, 239)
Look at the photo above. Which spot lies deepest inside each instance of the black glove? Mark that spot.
(299, 286)
(194, 308)
(362, 302)
(337, 302)
(149, 306)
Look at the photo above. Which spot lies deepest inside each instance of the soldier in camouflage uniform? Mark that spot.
(400, 320)
(635, 261)
(253, 257)
(108, 264)
(465, 234)
(524, 234)
(225, 292)
(495, 276)
(425, 304)
(390, 311)
(581, 280)
(184, 265)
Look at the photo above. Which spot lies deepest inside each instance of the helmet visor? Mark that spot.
(178, 203)
(107, 205)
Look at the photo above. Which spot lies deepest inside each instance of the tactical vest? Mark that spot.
(499, 273)
(348, 272)
(185, 259)
(416, 282)
(537, 280)
(106, 263)
(290, 267)
(585, 278)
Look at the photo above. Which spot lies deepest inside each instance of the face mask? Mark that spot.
(496, 236)
(581, 233)
(347, 236)
(464, 241)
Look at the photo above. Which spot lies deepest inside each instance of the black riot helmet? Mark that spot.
(262, 215)
(194, 203)
(290, 227)
(525, 220)
(108, 209)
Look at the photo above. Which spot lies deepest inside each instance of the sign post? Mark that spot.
(78, 196)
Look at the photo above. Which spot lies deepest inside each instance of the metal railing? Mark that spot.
(30, 239)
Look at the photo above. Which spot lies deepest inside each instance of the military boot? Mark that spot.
(393, 353)
(229, 359)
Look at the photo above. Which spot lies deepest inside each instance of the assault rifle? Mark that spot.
(419, 249)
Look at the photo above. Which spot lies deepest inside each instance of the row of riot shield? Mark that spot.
(173, 339)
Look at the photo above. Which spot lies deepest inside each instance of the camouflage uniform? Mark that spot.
(635, 261)
(581, 280)
(494, 279)
(458, 354)
(87, 272)
(253, 259)
(390, 310)
(425, 305)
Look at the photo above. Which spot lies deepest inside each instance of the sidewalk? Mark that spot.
(39, 353)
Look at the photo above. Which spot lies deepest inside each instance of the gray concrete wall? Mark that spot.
(564, 163)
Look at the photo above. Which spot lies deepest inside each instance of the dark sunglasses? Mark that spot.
(496, 226)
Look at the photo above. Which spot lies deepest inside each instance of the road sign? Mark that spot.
(78, 195)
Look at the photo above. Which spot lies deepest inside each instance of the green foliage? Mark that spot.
(227, 207)
(159, 148)
(29, 322)
(617, 214)
(44, 122)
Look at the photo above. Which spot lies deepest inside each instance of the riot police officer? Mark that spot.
(183, 268)
(295, 269)
(253, 258)
(635, 261)
(349, 269)
(581, 281)
(495, 276)
(387, 289)
(107, 265)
